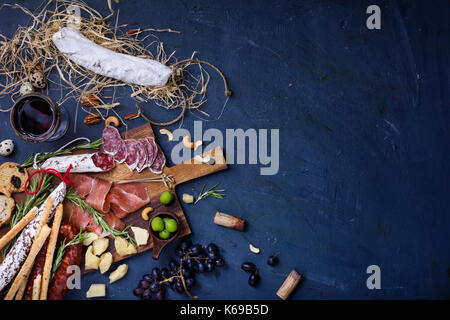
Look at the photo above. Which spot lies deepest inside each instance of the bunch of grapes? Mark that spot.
(180, 275)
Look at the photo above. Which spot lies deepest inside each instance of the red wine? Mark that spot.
(34, 116)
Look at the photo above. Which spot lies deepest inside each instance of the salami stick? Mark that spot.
(50, 252)
(25, 270)
(18, 227)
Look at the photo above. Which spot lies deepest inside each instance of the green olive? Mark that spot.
(171, 224)
(166, 198)
(157, 224)
(164, 234)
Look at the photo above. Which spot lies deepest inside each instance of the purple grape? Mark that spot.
(210, 266)
(185, 244)
(254, 279)
(138, 291)
(146, 295)
(189, 282)
(219, 262)
(155, 286)
(156, 273)
(144, 284)
(212, 247)
(161, 294)
(148, 277)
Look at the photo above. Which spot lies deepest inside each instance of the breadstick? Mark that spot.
(36, 288)
(22, 288)
(45, 214)
(28, 264)
(50, 251)
(18, 227)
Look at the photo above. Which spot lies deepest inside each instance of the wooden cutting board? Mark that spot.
(183, 172)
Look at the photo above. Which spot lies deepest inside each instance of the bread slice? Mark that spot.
(12, 178)
(6, 208)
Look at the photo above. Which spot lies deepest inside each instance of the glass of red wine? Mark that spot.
(36, 117)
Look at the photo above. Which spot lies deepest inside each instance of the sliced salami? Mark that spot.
(122, 153)
(103, 161)
(132, 159)
(92, 162)
(152, 151)
(142, 150)
(111, 140)
(159, 163)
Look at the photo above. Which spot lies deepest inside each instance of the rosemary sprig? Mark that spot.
(211, 192)
(80, 237)
(44, 156)
(31, 201)
(98, 217)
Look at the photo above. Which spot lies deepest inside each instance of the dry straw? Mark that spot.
(31, 49)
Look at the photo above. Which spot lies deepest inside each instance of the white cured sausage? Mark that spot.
(109, 63)
(92, 162)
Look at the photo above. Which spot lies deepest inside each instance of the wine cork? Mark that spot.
(289, 285)
(226, 220)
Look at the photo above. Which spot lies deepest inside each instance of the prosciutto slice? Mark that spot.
(82, 219)
(127, 198)
(95, 189)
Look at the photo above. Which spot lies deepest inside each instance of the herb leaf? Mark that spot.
(211, 192)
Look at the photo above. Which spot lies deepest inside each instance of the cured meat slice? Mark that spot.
(112, 220)
(127, 198)
(122, 153)
(143, 155)
(93, 162)
(79, 218)
(95, 189)
(132, 159)
(103, 161)
(152, 151)
(97, 198)
(82, 184)
(159, 163)
(110, 139)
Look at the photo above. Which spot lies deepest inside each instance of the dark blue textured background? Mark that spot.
(364, 135)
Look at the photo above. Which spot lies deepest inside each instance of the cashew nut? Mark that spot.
(112, 120)
(145, 213)
(167, 133)
(203, 160)
(254, 249)
(197, 144)
(188, 143)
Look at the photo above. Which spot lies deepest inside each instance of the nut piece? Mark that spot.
(167, 133)
(187, 198)
(119, 273)
(91, 101)
(254, 249)
(131, 116)
(96, 290)
(90, 237)
(105, 262)
(197, 144)
(145, 213)
(123, 247)
(92, 119)
(100, 246)
(112, 120)
(91, 260)
(188, 143)
(203, 160)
